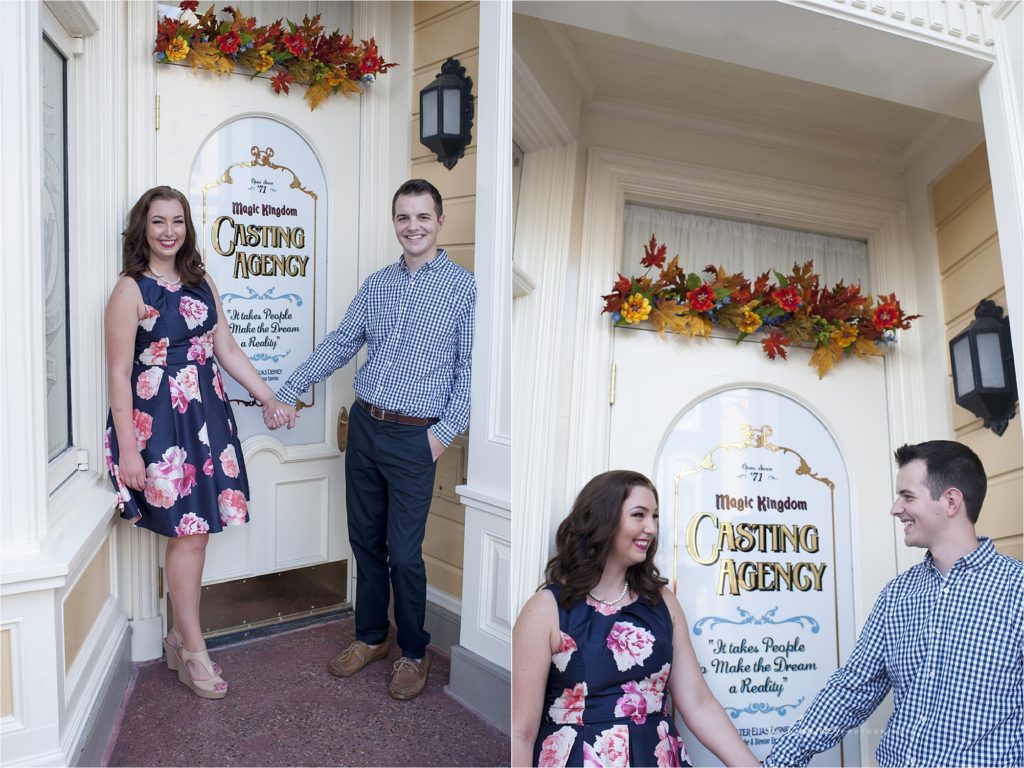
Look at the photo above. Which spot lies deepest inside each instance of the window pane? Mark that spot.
(53, 80)
(962, 366)
(990, 360)
(452, 113)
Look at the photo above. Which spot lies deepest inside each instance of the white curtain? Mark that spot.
(741, 246)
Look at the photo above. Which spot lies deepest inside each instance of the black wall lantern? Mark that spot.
(983, 374)
(446, 113)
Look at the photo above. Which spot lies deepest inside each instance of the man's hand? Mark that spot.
(436, 446)
(277, 414)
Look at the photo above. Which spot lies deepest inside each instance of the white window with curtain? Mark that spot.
(56, 64)
(741, 246)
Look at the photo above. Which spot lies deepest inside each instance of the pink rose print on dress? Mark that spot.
(208, 466)
(179, 397)
(143, 427)
(200, 348)
(204, 438)
(653, 687)
(632, 703)
(194, 311)
(567, 709)
(170, 478)
(670, 752)
(108, 455)
(555, 749)
(149, 318)
(160, 491)
(229, 461)
(218, 383)
(604, 610)
(191, 524)
(566, 647)
(188, 380)
(232, 506)
(155, 353)
(184, 484)
(629, 644)
(612, 747)
(148, 383)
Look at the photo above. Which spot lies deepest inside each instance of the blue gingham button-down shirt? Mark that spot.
(951, 650)
(418, 331)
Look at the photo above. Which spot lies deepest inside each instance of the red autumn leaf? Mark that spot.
(654, 255)
(775, 344)
(295, 43)
(280, 82)
(612, 302)
(189, 5)
(623, 284)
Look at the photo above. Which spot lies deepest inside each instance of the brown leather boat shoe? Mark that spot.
(357, 656)
(408, 678)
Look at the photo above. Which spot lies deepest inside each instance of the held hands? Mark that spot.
(276, 414)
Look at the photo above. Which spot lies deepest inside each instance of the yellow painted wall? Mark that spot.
(970, 267)
(440, 30)
(83, 603)
(6, 686)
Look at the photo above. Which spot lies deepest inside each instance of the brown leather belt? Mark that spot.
(398, 418)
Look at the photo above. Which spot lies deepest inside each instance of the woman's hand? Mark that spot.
(276, 414)
(132, 470)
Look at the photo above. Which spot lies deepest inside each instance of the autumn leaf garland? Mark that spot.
(297, 53)
(839, 321)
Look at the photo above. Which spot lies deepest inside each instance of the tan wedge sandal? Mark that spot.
(171, 652)
(207, 688)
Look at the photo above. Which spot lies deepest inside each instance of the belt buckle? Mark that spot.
(377, 413)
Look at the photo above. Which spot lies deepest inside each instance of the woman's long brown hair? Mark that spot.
(585, 537)
(135, 248)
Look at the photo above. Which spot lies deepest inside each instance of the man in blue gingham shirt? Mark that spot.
(416, 318)
(946, 636)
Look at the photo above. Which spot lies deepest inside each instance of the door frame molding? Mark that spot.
(615, 178)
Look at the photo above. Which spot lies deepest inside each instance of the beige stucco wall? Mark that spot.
(440, 30)
(971, 270)
(84, 601)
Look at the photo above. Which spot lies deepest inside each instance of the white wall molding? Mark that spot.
(536, 122)
(613, 178)
(542, 247)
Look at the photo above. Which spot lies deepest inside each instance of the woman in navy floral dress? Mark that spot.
(172, 447)
(595, 652)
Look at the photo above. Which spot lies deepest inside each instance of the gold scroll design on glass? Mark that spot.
(758, 438)
(262, 158)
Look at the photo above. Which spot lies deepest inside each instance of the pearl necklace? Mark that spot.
(622, 594)
(162, 279)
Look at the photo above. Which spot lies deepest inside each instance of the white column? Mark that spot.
(22, 389)
(543, 234)
(486, 619)
(1001, 108)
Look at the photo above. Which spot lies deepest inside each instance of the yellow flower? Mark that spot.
(751, 321)
(177, 49)
(264, 62)
(635, 308)
(334, 77)
(845, 335)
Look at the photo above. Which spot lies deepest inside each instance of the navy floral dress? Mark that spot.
(195, 476)
(606, 703)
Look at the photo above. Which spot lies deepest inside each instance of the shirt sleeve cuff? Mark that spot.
(444, 433)
(288, 394)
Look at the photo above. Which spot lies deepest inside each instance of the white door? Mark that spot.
(658, 379)
(297, 505)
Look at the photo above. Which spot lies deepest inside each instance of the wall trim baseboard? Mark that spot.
(481, 686)
(92, 742)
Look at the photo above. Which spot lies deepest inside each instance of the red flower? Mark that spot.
(295, 43)
(702, 299)
(654, 255)
(370, 64)
(229, 42)
(280, 82)
(787, 298)
(887, 315)
(775, 344)
(189, 5)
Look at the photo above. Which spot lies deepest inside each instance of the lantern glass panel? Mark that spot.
(428, 116)
(452, 111)
(962, 366)
(990, 360)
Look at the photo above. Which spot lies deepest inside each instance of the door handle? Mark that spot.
(343, 429)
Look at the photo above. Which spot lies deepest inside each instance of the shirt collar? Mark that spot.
(973, 560)
(437, 262)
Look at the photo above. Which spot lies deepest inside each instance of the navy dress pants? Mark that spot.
(389, 483)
